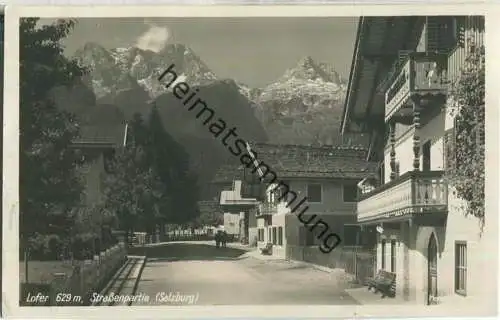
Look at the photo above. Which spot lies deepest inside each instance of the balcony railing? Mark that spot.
(421, 73)
(267, 209)
(412, 193)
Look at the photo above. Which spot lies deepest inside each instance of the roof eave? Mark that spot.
(352, 74)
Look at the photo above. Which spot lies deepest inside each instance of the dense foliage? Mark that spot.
(209, 218)
(149, 183)
(49, 181)
(468, 108)
(132, 188)
(171, 161)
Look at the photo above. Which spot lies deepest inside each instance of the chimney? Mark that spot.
(125, 136)
(237, 188)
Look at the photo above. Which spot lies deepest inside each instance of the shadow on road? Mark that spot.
(186, 251)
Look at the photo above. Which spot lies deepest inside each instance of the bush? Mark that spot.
(45, 247)
(468, 108)
(84, 246)
(108, 240)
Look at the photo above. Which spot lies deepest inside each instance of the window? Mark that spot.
(351, 235)
(393, 255)
(441, 33)
(261, 234)
(458, 31)
(314, 193)
(269, 234)
(461, 267)
(383, 255)
(274, 235)
(426, 156)
(309, 237)
(350, 192)
(382, 171)
(280, 236)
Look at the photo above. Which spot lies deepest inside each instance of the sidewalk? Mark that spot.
(365, 297)
(255, 253)
(338, 273)
(448, 307)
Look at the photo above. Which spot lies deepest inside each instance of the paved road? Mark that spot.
(204, 275)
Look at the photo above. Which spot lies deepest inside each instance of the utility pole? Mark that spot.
(26, 257)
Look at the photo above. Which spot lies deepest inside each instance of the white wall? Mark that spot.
(434, 130)
(481, 279)
(279, 221)
(231, 223)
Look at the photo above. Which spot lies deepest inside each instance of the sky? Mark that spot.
(252, 50)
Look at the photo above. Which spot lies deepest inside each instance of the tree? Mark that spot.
(50, 184)
(468, 108)
(210, 218)
(171, 162)
(132, 190)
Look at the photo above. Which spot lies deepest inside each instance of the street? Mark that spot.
(200, 274)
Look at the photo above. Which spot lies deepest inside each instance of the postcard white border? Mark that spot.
(10, 288)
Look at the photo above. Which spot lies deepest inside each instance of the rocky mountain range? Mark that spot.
(304, 106)
(301, 107)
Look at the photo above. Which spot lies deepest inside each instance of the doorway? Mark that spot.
(432, 270)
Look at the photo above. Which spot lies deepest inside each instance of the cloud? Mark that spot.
(154, 39)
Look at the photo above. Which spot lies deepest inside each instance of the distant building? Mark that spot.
(235, 202)
(328, 177)
(232, 224)
(97, 146)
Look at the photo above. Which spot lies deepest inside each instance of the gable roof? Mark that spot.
(379, 40)
(228, 173)
(103, 125)
(298, 161)
(210, 207)
(111, 136)
(99, 134)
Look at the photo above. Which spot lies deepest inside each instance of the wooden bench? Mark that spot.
(267, 249)
(384, 282)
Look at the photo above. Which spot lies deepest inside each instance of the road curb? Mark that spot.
(111, 281)
(136, 284)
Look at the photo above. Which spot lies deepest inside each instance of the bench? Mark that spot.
(267, 249)
(384, 282)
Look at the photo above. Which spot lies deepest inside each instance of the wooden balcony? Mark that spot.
(415, 193)
(419, 73)
(267, 209)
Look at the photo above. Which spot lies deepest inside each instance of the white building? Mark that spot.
(398, 92)
(232, 223)
(234, 203)
(309, 197)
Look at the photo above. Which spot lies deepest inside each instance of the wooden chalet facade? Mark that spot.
(398, 92)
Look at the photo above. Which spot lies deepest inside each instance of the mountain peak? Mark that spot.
(127, 67)
(306, 61)
(307, 69)
(92, 45)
